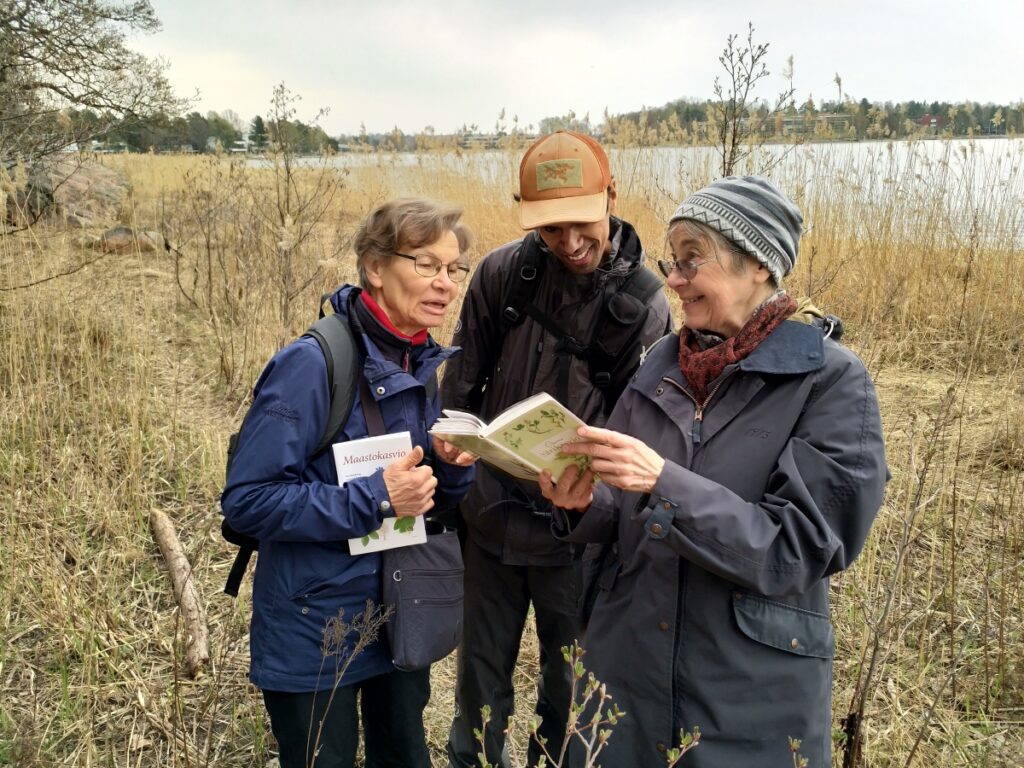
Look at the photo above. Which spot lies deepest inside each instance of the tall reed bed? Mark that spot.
(121, 380)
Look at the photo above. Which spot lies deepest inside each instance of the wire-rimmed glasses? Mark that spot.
(429, 266)
(685, 269)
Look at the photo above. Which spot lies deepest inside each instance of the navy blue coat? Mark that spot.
(277, 493)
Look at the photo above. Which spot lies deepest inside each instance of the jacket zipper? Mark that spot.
(699, 408)
(698, 420)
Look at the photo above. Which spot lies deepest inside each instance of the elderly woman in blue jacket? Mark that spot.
(742, 467)
(411, 259)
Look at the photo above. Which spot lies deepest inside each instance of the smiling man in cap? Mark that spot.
(568, 309)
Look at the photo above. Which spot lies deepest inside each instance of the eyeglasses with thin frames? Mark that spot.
(685, 269)
(430, 266)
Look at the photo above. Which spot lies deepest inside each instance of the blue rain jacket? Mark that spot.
(277, 493)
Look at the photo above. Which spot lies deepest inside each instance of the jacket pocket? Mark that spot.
(784, 627)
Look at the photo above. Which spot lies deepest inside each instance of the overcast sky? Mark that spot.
(418, 63)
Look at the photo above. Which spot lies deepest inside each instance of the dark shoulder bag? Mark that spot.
(422, 583)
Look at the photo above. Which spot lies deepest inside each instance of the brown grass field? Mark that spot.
(121, 380)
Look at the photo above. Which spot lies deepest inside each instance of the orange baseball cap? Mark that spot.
(564, 177)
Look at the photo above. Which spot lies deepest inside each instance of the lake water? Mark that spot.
(972, 187)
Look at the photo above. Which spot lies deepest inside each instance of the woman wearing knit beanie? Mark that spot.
(743, 466)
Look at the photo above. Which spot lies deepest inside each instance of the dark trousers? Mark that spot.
(392, 712)
(496, 603)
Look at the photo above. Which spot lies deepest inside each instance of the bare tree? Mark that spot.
(738, 119)
(57, 55)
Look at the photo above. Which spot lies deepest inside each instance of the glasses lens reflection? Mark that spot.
(429, 266)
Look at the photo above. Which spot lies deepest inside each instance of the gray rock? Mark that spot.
(30, 200)
(126, 240)
(68, 192)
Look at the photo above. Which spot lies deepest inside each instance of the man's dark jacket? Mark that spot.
(515, 524)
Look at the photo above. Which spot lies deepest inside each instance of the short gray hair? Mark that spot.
(402, 224)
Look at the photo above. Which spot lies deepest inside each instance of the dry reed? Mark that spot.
(121, 381)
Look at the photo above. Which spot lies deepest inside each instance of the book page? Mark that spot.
(463, 417)
(359, 458)
(522, 440)
(507, 461)
(514, 411)
(536, 430)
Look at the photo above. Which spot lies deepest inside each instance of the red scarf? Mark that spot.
(702, 366)
(420, 337)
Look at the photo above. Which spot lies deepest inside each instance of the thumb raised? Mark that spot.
(412, 458)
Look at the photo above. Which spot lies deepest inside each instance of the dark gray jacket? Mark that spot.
(516, 526)
(715, 612)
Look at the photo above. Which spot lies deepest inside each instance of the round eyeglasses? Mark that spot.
(429, 266)
(685, 269)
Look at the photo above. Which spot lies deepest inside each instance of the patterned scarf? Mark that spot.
(703, 356)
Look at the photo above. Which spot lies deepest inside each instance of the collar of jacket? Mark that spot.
(424, 359)
(792, 348)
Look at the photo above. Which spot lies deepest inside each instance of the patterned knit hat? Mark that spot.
(754, 214)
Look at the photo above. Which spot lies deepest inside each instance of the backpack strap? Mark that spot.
(615, 333)
(338, 345)
(527, 270)
(527, 267)
(614, 351)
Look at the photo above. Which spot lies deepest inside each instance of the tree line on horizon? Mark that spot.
(679, 122)
(93, 92)
(84, 88)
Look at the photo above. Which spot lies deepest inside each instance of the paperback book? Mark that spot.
(523, 440)
(358, 458)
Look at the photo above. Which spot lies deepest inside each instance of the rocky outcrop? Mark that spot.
(126, 239)
(67, 192)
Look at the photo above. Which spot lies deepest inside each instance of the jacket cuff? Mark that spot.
(379, 493)
(659, 509)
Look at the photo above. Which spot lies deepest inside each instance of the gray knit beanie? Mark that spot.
(754, 214)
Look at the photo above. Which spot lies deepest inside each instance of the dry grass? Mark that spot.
(118, 392)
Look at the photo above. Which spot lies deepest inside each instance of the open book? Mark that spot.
(356, 458)
(522, 440)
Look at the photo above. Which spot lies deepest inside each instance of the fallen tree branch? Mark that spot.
(70, 271)
(197, 644)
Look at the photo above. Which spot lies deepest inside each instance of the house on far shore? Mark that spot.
(239, 147)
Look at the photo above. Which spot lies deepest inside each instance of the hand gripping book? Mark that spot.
(521, 441)
(357, 458)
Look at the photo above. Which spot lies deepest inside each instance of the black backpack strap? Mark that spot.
(615, 333)
(528, 264)
(614, 349)
(527, 271)
(526, 275)
(337, 343)
(325, 299)
(238, 567)
(642, 283)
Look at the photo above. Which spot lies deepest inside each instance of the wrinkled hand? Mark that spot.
(572, 491)
(449, 454)
(410, 487)
(619, 460)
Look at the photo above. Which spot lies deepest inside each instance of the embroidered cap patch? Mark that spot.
(558, 174)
